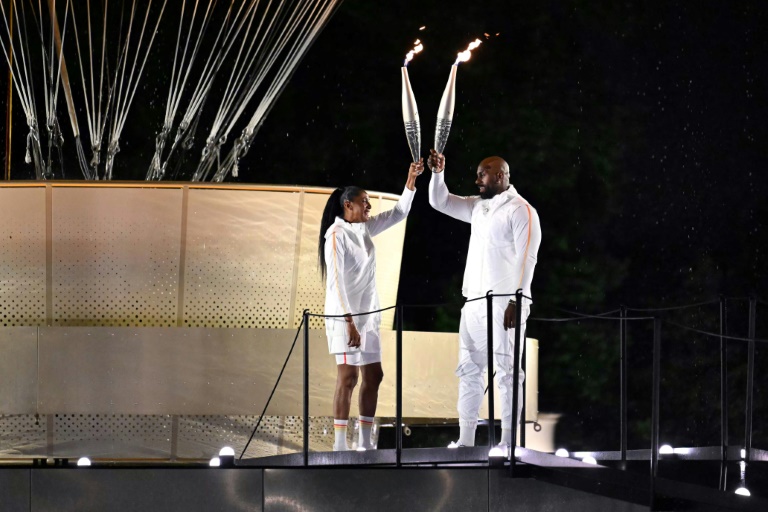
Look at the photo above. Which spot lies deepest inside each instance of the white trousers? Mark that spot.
(473, 360)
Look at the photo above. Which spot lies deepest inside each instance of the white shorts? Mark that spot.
(356, 357)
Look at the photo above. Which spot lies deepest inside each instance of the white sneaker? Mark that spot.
(500, 450)
(456, 444)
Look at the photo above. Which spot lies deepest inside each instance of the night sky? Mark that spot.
(637, 130)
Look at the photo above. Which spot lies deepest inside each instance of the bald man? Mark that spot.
(501, 257)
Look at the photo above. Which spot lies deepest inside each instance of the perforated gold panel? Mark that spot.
(239, 258)
(116, 256)
(310, 287)
(22, 256)
(173, 255)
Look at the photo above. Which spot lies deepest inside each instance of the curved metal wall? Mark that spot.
(132, 255)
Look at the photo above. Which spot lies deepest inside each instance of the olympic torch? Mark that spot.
(447, 102)
(410, 111)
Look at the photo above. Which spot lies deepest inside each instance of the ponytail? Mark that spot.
(333, 208)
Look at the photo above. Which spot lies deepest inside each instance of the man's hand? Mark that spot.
(509, 316)
(354, 335)
(436, 161)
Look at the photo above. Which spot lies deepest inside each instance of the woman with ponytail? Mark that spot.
(347, 259)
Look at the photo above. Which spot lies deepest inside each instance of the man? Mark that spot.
(502, 255)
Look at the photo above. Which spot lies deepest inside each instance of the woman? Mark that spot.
(348, 261)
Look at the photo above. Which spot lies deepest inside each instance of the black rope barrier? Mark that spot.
(673, 308)
(590, 317)
(714, 335)
(274, 388)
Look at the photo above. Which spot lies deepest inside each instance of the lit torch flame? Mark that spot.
(416, 49)
(466, 54)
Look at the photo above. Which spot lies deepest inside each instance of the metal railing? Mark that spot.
(653, 315)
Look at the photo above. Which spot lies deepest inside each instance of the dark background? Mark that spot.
(637, 130)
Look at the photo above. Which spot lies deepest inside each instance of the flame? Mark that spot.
(417, 47)
(422, 27)
(466, 54)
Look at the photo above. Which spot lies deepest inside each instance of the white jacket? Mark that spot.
(505, 239)
(350, 259)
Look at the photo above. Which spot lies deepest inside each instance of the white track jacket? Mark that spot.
(350, 258)
(505, 239)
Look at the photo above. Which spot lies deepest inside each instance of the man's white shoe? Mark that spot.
(500, 450)
(456, 444)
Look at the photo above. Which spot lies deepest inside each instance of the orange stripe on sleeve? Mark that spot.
(336, 269)
(527, 244)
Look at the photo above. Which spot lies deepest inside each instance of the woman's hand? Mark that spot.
(414, 171)
(354, 334)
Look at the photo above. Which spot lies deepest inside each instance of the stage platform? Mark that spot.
(426, 479)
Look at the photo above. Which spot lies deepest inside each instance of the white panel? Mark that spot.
(389, 251)
(18, 370)
(116, 256)
(22, 256)
(239, 258)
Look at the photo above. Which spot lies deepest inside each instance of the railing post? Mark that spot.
(524, 398)
(723, 385)
(655, 409)
(489, 343)
(750, 379)
(399, 386)
(516, 373)
(623, 385)
(306, 387)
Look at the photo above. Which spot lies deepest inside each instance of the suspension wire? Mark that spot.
(274, 388)
(55, 137)
(273, 44)
(240, 65)
(674, 308)
(13, 62)
(68, 89)
(26, 92)
(229, 29)
(213, 142)
(157, 166)
(308, 34)
(123, 104)
(94, 110)
(178, 83)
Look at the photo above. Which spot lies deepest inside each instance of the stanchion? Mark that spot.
(306, 387)
(399, 387)
(655, 408)
(489, 344)
(723, 399)
(524, 367)
(516, 376)
(723, 384)
(623, 384)
(750, 379)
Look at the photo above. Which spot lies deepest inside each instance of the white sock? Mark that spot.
(467, 432)
(340, 431)
(366, 423)
(506, 436)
